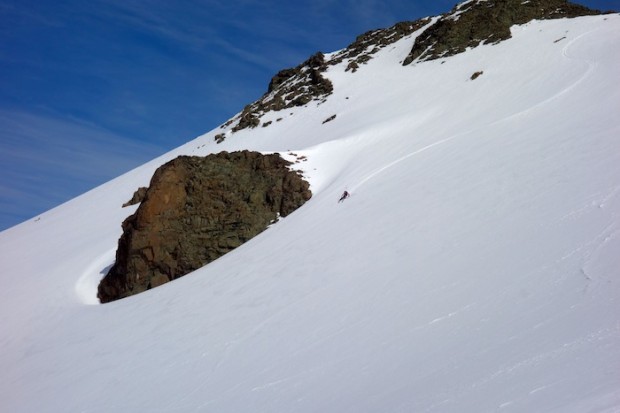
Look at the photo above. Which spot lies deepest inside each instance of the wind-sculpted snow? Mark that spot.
(473, 268)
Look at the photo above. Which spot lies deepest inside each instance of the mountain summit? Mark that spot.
(473, 268)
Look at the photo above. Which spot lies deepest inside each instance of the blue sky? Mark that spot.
(90, 90)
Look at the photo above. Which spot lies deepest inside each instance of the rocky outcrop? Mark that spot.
(475, 22)
(289, 88)
(197, 209)
(365, 45)
(306, 83)
(137, 197)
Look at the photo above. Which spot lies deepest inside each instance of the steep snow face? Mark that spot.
(474, 268)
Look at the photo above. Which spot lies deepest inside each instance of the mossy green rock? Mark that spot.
(197, 209)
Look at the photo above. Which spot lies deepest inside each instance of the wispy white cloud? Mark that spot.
(47, 160)
(165, 20)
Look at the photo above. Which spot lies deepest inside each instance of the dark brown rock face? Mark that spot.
(196, 210)
(489, 21)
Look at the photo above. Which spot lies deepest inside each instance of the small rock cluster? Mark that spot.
(365, 45)
(288, 88)
(137, 197)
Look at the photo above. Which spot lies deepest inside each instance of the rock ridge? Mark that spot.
(306, 82)
(467, 25)
(289, 88)
(476, 22)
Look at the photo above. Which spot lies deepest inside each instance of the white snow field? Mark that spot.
(475, 268)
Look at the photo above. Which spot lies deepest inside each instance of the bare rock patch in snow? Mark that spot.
(476, 75)
(470, 24)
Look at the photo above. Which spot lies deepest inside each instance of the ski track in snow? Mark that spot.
(591, 65)
(403, 158)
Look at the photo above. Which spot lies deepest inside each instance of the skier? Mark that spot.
(344, 196)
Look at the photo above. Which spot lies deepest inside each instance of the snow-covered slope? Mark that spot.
(475, 267)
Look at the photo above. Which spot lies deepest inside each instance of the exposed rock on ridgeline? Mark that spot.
(468, 25)
(289, 88)
(474, 22)
(306, 82)
(365, 45)
(196, 210)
